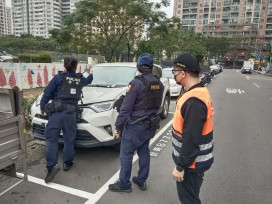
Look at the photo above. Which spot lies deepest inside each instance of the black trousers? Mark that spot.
(188, 190)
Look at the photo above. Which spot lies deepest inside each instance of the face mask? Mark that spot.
(175, 77)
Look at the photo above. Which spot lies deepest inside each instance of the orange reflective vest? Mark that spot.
(204, 158)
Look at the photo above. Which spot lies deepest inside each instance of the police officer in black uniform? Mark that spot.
(139, 120)
(65, 91)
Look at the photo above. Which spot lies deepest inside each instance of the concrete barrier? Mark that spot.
(30, 75)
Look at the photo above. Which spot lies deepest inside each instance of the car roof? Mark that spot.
(167, 69)
(119, 64)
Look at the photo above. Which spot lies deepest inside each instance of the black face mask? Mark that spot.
(175, 77)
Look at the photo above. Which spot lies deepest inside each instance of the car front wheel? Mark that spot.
(165, 109)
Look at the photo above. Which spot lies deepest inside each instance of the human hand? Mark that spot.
(116, 134)
(42, 113)
(178, 175)
(91, 71)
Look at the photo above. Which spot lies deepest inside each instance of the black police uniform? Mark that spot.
(65, 91)
(136, 135)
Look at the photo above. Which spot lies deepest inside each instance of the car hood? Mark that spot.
(101, 94)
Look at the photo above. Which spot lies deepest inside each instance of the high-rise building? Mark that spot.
(227, 18)
(38, 17)
(5, 19)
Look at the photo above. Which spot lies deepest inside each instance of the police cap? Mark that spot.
(146, 60)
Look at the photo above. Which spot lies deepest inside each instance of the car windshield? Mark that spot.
(112, 76)
(168, 73)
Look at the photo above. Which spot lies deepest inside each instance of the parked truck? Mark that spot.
(248, 67)
(12, 140)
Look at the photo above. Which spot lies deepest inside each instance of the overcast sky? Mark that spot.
(168, 10)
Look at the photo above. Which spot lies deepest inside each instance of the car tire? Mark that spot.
(165, 109)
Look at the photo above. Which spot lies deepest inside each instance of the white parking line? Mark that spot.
(11, 187)
(59, 187)
(115, 177)
(92, 198)
(256, 85)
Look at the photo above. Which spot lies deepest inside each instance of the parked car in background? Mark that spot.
(247, 67)
(101, 103)
(4, 57)
(216, 68)
(175, 89)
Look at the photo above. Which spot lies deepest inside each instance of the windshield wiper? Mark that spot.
(98, 85)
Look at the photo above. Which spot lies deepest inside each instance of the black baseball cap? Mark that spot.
(188, 62)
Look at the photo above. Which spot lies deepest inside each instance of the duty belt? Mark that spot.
(149, 123)
(58, 106)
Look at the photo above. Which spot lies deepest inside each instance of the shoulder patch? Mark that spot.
(128, 88)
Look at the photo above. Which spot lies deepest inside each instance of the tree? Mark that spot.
(235, 44)
(13, 44)
(216, 46)
(112, 18)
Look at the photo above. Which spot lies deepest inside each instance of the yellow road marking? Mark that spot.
(256, 85)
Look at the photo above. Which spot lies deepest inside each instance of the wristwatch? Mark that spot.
(179, 168)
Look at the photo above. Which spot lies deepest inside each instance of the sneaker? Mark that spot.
(118, 187)
(51, 173)
(67, 166)
(141, 185)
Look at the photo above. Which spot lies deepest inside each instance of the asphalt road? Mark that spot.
(241, 172)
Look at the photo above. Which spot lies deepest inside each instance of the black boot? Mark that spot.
(51, 173)
(118, 187)
(67, 166)
(141, 185)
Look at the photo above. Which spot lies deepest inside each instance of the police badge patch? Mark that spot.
(128, 88)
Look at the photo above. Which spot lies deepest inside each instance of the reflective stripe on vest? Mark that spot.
(205, 156)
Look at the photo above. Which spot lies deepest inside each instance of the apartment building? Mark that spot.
(37, 17)
(5, 19)
(226, 18)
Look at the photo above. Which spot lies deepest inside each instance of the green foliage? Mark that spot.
(120, 24)
(27, 111)
(44, 57)
(13, 44)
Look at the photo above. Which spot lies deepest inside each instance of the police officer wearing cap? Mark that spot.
(138, 117)
(192, 130)
(65, 91)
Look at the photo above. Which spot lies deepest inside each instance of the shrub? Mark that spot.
(44, 57)
(27, 111)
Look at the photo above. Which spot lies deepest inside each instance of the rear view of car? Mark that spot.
(246, 70)
(247, 67)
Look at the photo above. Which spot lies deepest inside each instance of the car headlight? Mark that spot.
(38, 101)
(101, 107)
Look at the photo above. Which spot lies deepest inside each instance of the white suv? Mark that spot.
(99, 102)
